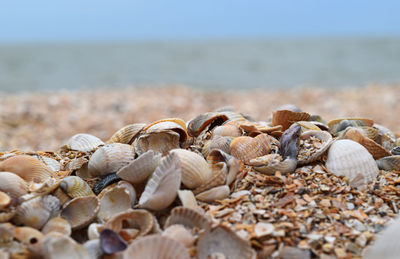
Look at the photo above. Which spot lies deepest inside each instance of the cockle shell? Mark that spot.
(246, 148)
(27, 167)
(220, 172)
(326, 139)
(222, 240)
(227, 130)
(348, 158)
(161, 142)
(37, 211)
(202, 121)
(232, 163)
(188, 217)
(80, 211)
(269, 164)
(113, 201)
(171, 124)
(287, 118)
(27, 235)
(194, 168)
(127, 134)
(5, 200)
(162, 188)
(216, 193)
(83, 142)
(50, 162)
(180, 234)
(12, 184)
(389, 163)
(141, 168)
(75, 186)
(110, 158)
(57, 224)
(58, 246)
(187, 198)
(217, 142)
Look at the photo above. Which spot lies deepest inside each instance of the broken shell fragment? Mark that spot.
(75, 186)
(313, 144)
(160, 142)
(216, 193)
(111, 242)
(5, 200)
(188, 217)
(287, 118)
(58, 246)
(389, 163)
(83, 142)
(27, 167)
(172, 124)
(203, 121)
(80, 211)
(127, 134)
(272, 163)
(187, 198)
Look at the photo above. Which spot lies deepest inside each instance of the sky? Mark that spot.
(87, 20)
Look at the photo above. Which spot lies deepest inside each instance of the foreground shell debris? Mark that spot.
(218, 186)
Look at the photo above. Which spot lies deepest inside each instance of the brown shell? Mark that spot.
(27, 167)
(174, 124)
(139, 219)
(217, 142)
(59, 225)
(5, 200)
(246, 148)
(287, 118)
(27, 235)
(127, 134)
(81, 211)
(220, 172)
(188, 217)
(353, 121)
(13, 184)
(389, 163)
(160, 142)
(232, 163)
(227, 130)
(199, 123)
(286, 166)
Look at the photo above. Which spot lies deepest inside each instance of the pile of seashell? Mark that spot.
(167, 189)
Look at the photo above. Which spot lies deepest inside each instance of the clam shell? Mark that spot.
(187, 198)
(127, 134)
(202, 121)
(58, 225)
(227, 130)
(270, 164)
(348, 158)
(37, 211)
(94, 230)
(75, 186)
(5, 200)
(232, 163)
(222, 240)
(130, 189)
(172, 124)
(58, 246)
(162, 188)
(113, 201)
(27, 167)
(81, 211)
(161, 142)
(217, 142)
(220, 172)
(326, 139)
(141, 168)
(389, 163)
(156, 247)
(50, 162)
(12, 184)
(180, 234)
(194, 168)
(246, 148)
(61, 195)
(111, 242)
(27, 235)
(83, 142)
(287, 118)
(110, 158)
(188, 217)
(216, 193)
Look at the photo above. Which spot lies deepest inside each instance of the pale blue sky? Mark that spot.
(60, 20)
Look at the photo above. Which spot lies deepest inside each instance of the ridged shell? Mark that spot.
(174, 124)
(246, 148)
(113, 201)
(75, 186)
(348, 158)
(227, 130)
(187, 198)
(161, 142)
(27, 235)
(62, 196)
(326, 139)
(270, 164)
(162, 188)
(83, 142)
(287, 118)
(5, 200)
(217, 142)
(27, 167)
(220, 172)
(180, 234)
(376, 150)
(188, 217)
(81, 211)
(156, 247)
(127, 134)
(52, 163)
(110, 158)
(194, 168)
(12, 184)
(141, 168)
(37, 211)
(232, 163)
(58, 246)
(222, 240)
(307, 125)
(213, 194)
(389, 163)
(340, 124)
(59, 225)
(199, 123)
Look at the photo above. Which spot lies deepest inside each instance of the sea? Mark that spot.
(231, 64)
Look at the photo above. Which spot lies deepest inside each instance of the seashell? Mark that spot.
(289, 107)
(180, 234)
(58, 246)
(61, 196)
(162, 188)
(5, 200)
(141, 168)
(37, 211)
(159, 142)
(52, 163)
(137, 219)
(194, 168)
(172, 124)
(287, 118)
(289, 142)
(260, 127)
(216, 193)
(27, 167)
(395, 151)
(58, 225)
(369, 132)
(187, 198)
(387, 142)
(113, 201)
(12, 184)
(227, 130)
(272, 163)
(75, 186)
(94, 230)
(384, 131)
(304, 155)
(93, 248)
(223, 240)
(80, 211)
(6, 234)
(106, 181)
(205, 120)
(376, 150)
(27, 235)
(127, 134)
(110, 158)
(7, 215)
(337, 125)
(220, 172)
(111, 242)
(130, 189)
(348, 158)
(217, 142)
(389, 163)
(76, 163)
(83, 142)
(232, 163)
(307, 125)
(246, 148)
(156, 247)
(45, 187)
(188, 217)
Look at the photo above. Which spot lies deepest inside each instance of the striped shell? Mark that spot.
(113, 201)
(348, 158)
(188, 217)
(127, 134)
(81, 211)
(110, 158)
(232, 163)
(75, 186)
(171, 124)
(287, 118)
(326, 139)
(246, 148)
(202, 121)
(216, 193)
(12, 184)
(194, 168)
(220, 172)
(217, 142)
(83, 142)
(389, 163)
(27, 167)
(227, 130)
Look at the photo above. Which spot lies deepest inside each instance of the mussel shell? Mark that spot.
(389, 163)
(106, 181)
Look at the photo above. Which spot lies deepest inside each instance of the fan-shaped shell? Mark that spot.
(310, 154)
(83, 142)
(127, 134)
(12, 184)
(156, 247)
(222, 240)
(113, 201)
(81, 211)
(161, 142)
(194, 168)
(272, 163)
(57, 224)
(217, 142)
(202, 121)
(220, 172)
(141, 168)
(287, 118)
(389, 163)
(75, 186)
(188, 217)
(27, 167)
(180, 234)
(348, 158)
(246, 148)
(5, 200)
(174, 124)
(216, 193)
(232, 163)
(163, 186)
(50, 162)
(110, 158)
(58, 246)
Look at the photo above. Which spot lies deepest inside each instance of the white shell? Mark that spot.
(216, 193)
(114, 201)
(350, 159)
(326, 138)
(187, 198)
(13, 184)
(83, 142)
